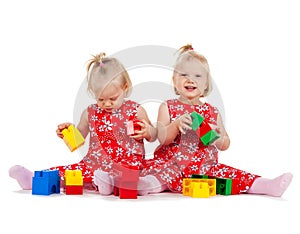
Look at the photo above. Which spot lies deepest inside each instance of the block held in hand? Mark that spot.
(73, 138)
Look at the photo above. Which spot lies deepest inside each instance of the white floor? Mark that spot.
(22, 212)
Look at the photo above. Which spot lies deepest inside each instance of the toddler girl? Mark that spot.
(105, 122)
(181, 153)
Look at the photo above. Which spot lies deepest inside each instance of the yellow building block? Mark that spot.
(200, 189)
(186, 191)
(188, 187)
(73, 177)
(73, 138)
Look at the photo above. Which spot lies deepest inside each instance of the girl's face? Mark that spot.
(111, 96)
(190, 79)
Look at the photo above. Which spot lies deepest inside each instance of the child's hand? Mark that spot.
(144, 132)
(184, 123)
(61, 127)
(215, 128)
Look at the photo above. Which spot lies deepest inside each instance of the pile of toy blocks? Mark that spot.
(205, 186)
(125, 181)
(73, 182)
(47, 182)
(206, 134)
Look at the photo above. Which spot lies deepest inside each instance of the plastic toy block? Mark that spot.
(188, 187)
(125, 181)
(128, 190)
(116, 191)
(45, 182)
(127, 174)
(199, 189)
(73, 190)
(224, 186)
(186, 190)
(199, 176)
(73, 138)
(197, 120)
(204, 128)
(125, 190)
(209, 137)
(73, 177)
(206, 134)
(132, 126)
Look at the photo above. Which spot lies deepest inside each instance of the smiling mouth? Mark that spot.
(190, 88)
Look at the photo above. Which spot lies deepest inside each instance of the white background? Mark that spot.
(253, 51)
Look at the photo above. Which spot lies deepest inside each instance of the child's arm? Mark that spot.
(148, 131)
(168, 131)
(224, 141)
(83, 125)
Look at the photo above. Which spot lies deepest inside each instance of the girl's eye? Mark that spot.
(113, 99)
(100, 100)
(183, 74)
(198, 76)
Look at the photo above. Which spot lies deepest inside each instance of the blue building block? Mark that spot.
(46, 182)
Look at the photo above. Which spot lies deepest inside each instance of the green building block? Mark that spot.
(224, 186)
(210, 137)
(197, 120)
(197, 176)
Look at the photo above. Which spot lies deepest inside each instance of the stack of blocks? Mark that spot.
(73, 182)
(46, 182)
(73, 137)
(125, 183)
(205, 186)
(206, 134)
(224, 185)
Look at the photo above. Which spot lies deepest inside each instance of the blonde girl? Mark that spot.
(105, 123)
(181, 153)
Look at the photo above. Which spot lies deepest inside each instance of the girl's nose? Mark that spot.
(107, 103)
(189, 80)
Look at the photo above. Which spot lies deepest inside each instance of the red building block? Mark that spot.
(125, 183)
(73, 190)
(203, 129)
(206, 134)
(132, 126)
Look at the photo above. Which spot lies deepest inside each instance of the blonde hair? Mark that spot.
(187, 53)
(100, 66)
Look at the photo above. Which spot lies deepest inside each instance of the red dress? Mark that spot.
(109, 142)
(187, 155)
